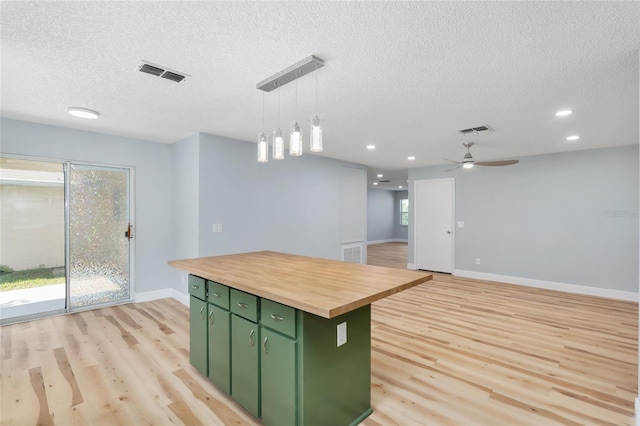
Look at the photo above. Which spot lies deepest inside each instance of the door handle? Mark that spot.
(211, 318)
(251, 337)
(264, 346)
(202, 313)
(129, 232)
(448, 232)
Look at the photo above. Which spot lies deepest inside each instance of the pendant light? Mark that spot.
(315, 133)
(295, 137)
(278, 140)
(295, 71)
(263, 143)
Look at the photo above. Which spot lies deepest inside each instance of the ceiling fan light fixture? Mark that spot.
(468, 165)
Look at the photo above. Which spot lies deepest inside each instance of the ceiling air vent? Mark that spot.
(476, 130)
(159, 71)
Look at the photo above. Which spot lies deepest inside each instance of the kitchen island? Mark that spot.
(286, 336)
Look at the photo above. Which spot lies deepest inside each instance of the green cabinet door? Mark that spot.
(198, 334)
(219, 365)
(278, 385)
(244, 363)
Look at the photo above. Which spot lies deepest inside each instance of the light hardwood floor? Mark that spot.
(450, 351)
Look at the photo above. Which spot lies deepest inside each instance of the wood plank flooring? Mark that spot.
(391, 255)
(450, 351)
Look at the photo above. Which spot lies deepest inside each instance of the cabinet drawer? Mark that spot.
(244, 304)
(278, 317)
(197, 287)
(218, 294)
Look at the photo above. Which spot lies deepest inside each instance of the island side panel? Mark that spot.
(334, 383)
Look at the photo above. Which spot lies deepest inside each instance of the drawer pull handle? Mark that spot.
(265, 346)
(211, 318)
(276, 317)
(251, 337)
(216, 294)
(195, 287)
(242, 305)
(202, 313)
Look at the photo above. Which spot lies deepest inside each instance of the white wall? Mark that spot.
(152, 162)
(568, 218)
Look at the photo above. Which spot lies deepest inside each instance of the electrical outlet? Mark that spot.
(342, 333)
(477, 260)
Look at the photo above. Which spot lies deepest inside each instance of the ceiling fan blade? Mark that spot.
(455, 168)
(451, 161)
(496, 163)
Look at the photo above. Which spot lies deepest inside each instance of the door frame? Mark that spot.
(132, 241)
(453, 219)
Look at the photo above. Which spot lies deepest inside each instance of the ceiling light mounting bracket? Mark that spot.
(287, 75)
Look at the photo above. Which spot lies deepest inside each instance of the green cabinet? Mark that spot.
(219, 350)
(278, 379)
(198, 334)
(281, 364)
(244, 366)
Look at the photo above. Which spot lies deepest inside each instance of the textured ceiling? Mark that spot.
(403, 76)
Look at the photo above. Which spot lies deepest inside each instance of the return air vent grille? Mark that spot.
(352, 254)
(385, 181)
(476, 130)
(159, 71)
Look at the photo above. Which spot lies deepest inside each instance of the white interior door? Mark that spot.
(433, 224)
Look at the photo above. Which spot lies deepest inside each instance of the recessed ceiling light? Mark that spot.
(564, 113)
(573, 138)
(83, 113)
(380, 175)
(400, 186)
(371, 147)
(375, 183)
(411, 158)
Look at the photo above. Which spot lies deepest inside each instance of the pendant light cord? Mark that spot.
(316, 88)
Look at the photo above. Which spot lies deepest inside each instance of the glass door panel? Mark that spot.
(32, 238)
(99, 244)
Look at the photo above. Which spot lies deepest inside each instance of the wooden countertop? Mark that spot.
(327, 288)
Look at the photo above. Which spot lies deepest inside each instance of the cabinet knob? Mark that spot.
(276, 317)
(265, 346)
(211, 318)
(242, 305)
(202, 313)
(251, 337)
(216, 294)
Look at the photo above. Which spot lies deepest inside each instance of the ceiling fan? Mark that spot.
(468, 161)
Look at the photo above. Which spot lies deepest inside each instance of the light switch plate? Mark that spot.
(217, 227)
(342, 333)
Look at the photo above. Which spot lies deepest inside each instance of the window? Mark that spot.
(404, 211)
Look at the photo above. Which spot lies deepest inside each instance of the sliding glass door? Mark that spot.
(32, 238)
(99, 235)
(65, 237)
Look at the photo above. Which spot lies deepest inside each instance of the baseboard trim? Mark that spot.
(165, 293)
(550, 285)
(390, 240)
(147, 296)
(411, 266)
(180, 297)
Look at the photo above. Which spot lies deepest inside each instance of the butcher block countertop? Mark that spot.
(327, 288)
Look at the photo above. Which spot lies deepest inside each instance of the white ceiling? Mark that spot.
(405, 76)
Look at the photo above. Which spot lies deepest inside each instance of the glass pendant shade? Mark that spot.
(295, 141)
(263, 148)
(315, 136)
(278, 145)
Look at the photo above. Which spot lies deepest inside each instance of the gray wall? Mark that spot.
(152, 164)
(380, 214)
(292, 205)
(569, 218)
(399, 232)
(185, 155)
